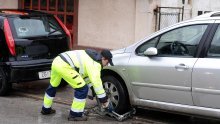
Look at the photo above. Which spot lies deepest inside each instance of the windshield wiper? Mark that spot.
(52, 32)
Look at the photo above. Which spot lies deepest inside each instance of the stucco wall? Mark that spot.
(145, 18)
(115, 24)
(12, 4)
(106, 23)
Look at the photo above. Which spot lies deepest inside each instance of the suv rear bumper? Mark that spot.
(27, 70)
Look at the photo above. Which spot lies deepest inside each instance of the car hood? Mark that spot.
(119, 51)
(120, 57)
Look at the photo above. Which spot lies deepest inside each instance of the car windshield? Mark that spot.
(25, 27)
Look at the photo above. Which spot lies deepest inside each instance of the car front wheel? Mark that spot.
(116, 93)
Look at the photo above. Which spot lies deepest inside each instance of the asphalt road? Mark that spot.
(25, 101)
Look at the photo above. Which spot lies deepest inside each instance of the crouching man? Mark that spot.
(80, 69)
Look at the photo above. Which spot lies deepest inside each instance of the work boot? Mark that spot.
(72, 118)
(51, 111)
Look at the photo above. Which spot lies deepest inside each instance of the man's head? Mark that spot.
(106, 57)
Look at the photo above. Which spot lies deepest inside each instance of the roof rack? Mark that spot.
(217, 14)
(210, 14)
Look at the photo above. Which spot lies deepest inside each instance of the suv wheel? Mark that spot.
(5, 86)
(117, 94)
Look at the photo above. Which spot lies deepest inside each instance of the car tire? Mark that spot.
(117, 94)
(5, 86)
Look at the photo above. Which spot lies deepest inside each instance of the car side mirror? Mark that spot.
(152, 51)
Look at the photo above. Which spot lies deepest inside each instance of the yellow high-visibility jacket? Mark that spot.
(88, 69)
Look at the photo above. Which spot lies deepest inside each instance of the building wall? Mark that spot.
(114, 23)
(204, 5)
(117, 23)
(12, 4)
(106, 23)
(144, 18)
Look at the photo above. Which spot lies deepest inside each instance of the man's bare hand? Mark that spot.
(106, 104)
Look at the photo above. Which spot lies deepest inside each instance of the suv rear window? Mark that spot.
(26, 26)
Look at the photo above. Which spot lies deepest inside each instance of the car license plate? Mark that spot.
(44, 74)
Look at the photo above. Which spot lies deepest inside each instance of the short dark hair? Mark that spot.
(107, 55)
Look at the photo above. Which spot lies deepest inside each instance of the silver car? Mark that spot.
(175, 69)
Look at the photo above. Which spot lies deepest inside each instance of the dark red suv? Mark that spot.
(29, 40)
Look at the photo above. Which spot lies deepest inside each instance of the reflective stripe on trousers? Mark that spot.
(47, 101)
(79, 101)
(48, 97)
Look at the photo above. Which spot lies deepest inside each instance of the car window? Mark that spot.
(214, 50)
(182, 41)
(35, 26)
(151, 43)
(178, 42)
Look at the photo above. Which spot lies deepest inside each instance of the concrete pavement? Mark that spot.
(21, 110)
(24, 104)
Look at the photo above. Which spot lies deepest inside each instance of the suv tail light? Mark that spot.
(66, 30)
(9, 38)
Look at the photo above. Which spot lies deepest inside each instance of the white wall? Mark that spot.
(11, 4)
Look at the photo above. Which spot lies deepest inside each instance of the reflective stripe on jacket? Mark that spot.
(88, 68)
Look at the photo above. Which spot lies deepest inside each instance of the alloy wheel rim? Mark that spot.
(112, 93)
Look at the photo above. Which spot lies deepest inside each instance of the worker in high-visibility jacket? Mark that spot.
(80, 69)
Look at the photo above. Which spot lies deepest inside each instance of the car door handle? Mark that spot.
(181, 67)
